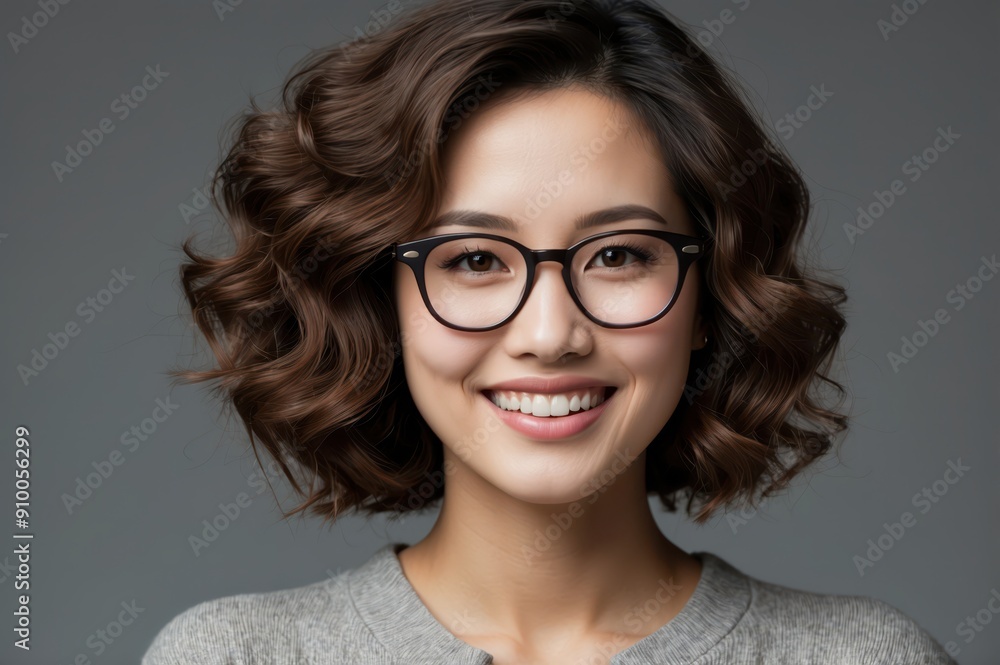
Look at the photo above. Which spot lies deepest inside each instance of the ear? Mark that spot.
(699, 331)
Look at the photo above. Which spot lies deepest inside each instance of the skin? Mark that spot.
(487, 571)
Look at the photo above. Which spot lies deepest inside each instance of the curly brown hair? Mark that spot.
(300, 317)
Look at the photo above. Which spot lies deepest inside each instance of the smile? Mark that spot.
(550, 426)
(550, 405)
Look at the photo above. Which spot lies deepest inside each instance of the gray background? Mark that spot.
(120, 208)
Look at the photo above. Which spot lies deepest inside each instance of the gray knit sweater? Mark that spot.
(372, 615)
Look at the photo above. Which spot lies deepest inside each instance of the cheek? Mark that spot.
(658, 355)
(437, 367)
(436, 358)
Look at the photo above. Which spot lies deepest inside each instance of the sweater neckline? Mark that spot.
(397, 617)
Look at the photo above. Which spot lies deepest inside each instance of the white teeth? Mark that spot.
(547, 405)
(560, 406)
(540, 406)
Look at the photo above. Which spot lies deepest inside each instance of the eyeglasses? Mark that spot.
(619, 279)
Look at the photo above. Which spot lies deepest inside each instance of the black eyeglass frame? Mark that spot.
(414, 254)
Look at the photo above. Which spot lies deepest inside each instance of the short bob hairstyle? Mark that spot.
(300, 318)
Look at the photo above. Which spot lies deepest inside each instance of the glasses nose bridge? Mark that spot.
(540, 256)
(557, 255)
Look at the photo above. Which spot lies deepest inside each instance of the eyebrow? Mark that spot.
(486, 220)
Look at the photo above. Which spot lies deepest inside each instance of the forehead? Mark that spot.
(544, 159)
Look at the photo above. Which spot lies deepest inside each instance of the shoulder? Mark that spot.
(250, 628)
(833, 628)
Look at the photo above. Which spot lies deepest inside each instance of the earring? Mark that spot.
(706, 339)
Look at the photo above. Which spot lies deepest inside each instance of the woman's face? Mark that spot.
(544, 161)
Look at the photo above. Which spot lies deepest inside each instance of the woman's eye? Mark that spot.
(613, 257)
(481, 262)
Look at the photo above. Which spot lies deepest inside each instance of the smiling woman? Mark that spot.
(553, 288)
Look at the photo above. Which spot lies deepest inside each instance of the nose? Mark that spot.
(549, 326)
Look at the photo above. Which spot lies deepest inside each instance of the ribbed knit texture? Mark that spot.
(373, 616)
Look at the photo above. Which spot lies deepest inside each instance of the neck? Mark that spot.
(495, 565)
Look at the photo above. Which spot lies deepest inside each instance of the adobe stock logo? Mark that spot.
(924, 500)
(786, 126)
(30, 27)
(131, 439)
(122, 105)
(975, 623)
(87, 310)
(928, 329)
(914, 167)
(898, 18)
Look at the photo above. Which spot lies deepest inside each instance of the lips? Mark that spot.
(552, 428)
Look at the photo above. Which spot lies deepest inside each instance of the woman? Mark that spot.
(528, 262)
